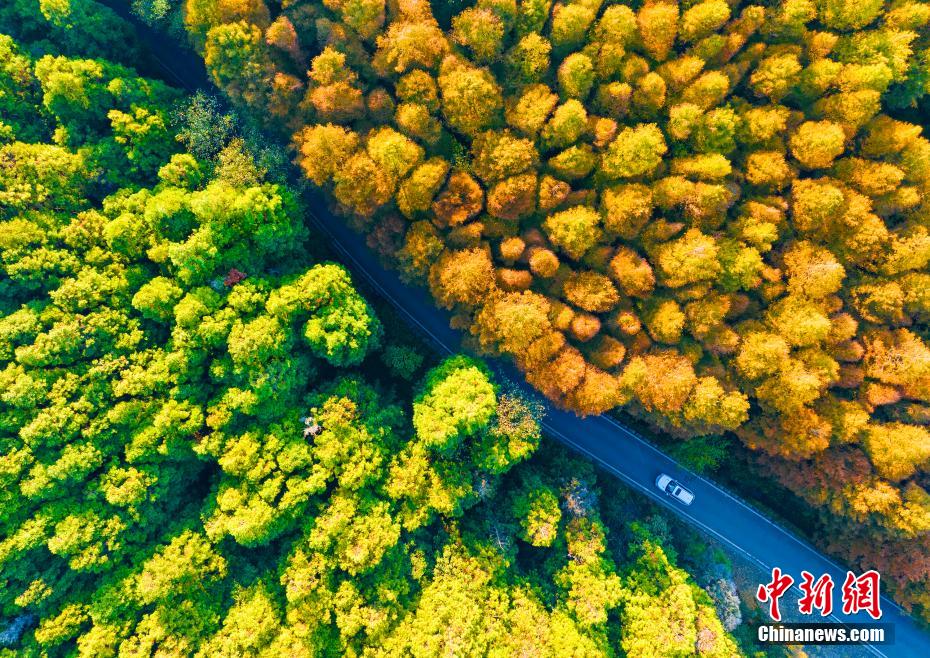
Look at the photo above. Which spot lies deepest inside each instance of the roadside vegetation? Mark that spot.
(212, 444)
(705, 214)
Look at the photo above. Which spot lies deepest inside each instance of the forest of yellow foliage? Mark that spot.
(702, 212)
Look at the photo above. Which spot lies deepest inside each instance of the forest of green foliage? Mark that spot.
(710, 214)
(211, 444)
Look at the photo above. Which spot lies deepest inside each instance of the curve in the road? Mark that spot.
(616, 448)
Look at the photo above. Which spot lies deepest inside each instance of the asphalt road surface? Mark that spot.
(614, 447)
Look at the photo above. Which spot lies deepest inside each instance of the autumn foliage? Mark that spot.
(702, 211)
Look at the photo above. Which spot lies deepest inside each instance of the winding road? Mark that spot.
(614, 447)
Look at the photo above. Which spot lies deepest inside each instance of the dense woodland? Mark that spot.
(211, 444)
(709, 214)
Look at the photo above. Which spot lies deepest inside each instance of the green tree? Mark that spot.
(456, 400)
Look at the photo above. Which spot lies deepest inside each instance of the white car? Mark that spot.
(674, 489)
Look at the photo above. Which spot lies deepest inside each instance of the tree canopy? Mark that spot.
(726, 197)
(211, 444)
